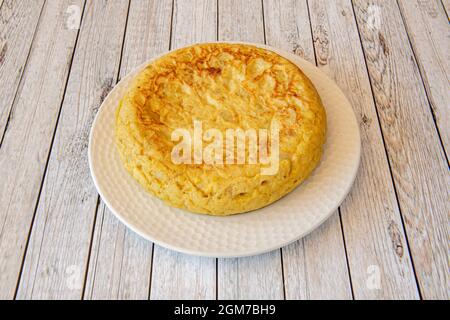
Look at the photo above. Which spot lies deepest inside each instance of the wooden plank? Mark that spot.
(287, 27)
(178, 276)
(18, 22)
(194, 21)
(258, 277)
(58, 250)
(419, 167)
(148, 32)
(115, 247)
(428, 28)
(241, 21)
(313, 270)
(23, 154)
(314, 267)
(120, 261)
(375, 240)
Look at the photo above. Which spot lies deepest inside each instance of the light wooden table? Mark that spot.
(389, 239)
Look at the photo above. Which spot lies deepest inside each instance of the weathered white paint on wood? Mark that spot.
(419, 168)
(58, 250)
(241, 21)
(370, 215)
(18, 21)
(193, 21)
(27, 141)
(314, 267)
(428, 28)
(147, 34)
(178, 276)
(120, 261)
(287, 27)
(257, 277)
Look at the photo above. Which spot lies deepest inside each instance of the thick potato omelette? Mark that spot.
(220, 86)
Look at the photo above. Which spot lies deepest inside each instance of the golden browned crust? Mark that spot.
(225, 86)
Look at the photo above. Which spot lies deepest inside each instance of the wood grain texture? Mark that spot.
(58, 251)
(314, 267)
(26, 144)
(120, 263)
(287, 27)
(178, 276)
(428, 28)
(374, 237)
(193, 21)
(147, 34)
(257, 277)
(419, 167)
(57, 240)
(18, 22)
(241, 21)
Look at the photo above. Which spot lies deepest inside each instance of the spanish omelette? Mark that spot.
(225, 86)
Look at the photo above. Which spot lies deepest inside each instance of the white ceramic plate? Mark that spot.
(263, 230)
